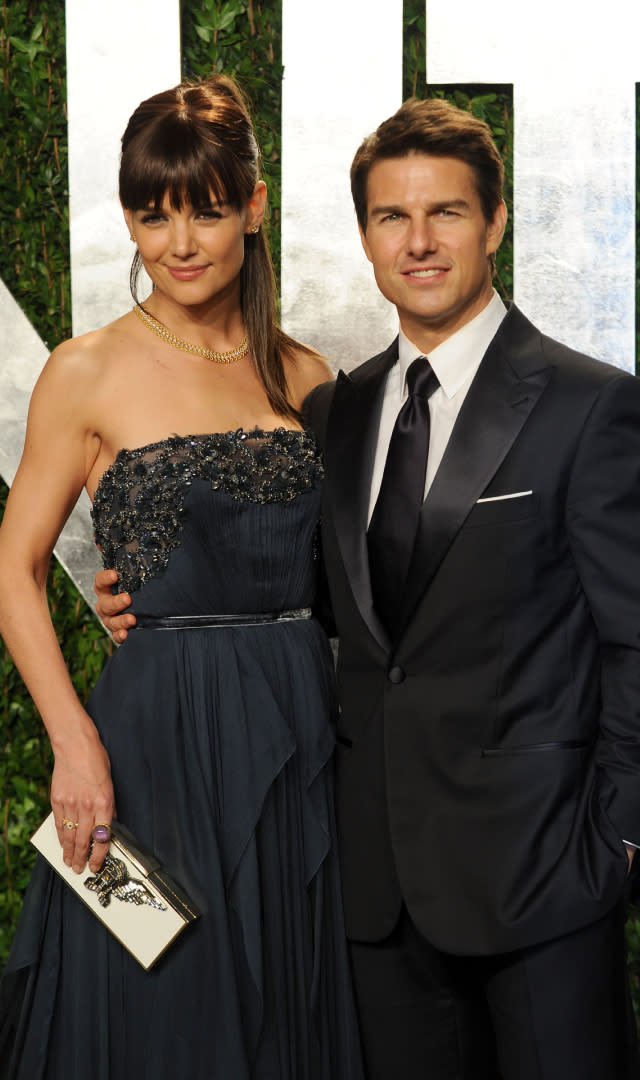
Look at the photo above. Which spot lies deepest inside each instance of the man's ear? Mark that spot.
(363, 241)
(495, 230)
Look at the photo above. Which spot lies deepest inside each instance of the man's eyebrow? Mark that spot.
(449, 204)
(430, 208)
(377, 211)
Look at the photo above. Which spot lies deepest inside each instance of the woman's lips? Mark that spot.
(186, 273)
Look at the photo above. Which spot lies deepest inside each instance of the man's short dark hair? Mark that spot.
(438, 128)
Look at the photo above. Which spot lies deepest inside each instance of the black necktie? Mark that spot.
(394, 523)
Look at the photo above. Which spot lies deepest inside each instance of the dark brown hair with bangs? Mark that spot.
(191, 142)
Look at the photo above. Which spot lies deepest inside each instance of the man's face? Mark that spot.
(429, 243)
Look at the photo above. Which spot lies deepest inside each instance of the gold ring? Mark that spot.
(68, 824)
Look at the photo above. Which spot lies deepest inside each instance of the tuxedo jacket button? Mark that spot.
(396, 675)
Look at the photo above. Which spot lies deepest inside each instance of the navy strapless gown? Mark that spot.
(221, 742)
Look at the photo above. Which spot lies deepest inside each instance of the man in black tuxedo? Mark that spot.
(481, 540)
(489, 663)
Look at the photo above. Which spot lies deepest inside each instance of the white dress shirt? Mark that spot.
(455, 362)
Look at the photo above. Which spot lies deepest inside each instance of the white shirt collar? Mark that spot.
(457, 359)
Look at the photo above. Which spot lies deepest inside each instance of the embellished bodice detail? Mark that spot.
(139, 506)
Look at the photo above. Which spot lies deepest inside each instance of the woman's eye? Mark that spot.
(151, 219)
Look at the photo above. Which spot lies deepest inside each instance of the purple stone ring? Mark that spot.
(101, 833)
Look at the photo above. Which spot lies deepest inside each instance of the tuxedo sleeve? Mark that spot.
(603, 521)
(315, 409)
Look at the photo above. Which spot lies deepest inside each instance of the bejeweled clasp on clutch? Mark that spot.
(113, 879)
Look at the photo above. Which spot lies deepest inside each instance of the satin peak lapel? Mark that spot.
(509, 382)
(352, 433)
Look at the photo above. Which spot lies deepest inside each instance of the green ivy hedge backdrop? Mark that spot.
(243, 38)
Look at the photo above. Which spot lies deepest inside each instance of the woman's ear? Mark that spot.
(128, 217)
(256, 207)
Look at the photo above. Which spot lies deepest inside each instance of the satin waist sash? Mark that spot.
(194, 622)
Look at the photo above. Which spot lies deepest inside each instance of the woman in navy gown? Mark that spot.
(210, 730)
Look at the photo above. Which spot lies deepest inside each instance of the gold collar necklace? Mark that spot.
(199, 350)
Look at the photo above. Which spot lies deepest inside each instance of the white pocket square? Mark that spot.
(500, 498)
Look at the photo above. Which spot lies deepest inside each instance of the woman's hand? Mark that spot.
(110, 606)
(82, 795)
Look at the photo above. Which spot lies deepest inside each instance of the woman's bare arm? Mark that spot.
(59, 450)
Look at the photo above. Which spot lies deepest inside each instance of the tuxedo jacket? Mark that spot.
(488, 764)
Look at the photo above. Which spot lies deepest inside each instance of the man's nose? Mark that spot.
(421, 238)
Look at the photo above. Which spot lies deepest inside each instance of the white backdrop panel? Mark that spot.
(574, 67)
(342, 77)
(117, 54)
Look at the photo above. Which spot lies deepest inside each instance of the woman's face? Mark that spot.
(195, 254)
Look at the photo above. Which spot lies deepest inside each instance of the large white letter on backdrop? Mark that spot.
(117, 54)
(573, 67)
(342, 76)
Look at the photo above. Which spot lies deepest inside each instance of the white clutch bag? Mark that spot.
(131, 893)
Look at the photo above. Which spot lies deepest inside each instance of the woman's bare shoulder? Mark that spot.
(305, 370)
(93, 346)
(88, 357)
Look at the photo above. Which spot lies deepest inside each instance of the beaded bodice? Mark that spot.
(141, 505)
